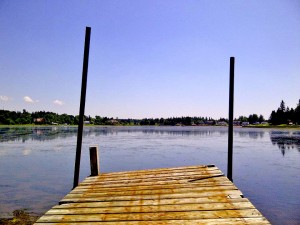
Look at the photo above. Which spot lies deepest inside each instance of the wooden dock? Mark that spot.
(184, 195)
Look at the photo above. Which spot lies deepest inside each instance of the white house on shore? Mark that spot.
(245, 124)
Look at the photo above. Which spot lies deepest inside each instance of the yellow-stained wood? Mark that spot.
(100, 188)
(149, 209)
(152, 202)
(188, 215)
(151, 192)
(184, 195)
(151, 175)
(189, 178)
(148, 188)
(159, 191)
(71, 198)
(163, 170)
(186, 180)
(147, 183)
(220, 221)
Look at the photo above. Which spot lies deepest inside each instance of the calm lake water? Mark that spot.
(37, 163)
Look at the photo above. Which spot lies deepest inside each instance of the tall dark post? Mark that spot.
(82, 104)
(230, 125)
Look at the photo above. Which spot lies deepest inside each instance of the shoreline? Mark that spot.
(20, 216)
(282, 126)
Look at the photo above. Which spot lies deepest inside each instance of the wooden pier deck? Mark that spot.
(184, 195)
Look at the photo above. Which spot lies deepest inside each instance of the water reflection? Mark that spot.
(185, 132)
(286, 140)
(35, 133)
(50, 133)
(26, 152)
(253, 134)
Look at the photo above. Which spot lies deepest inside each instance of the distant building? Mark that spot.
(39, 120)
(113, 122)
(201, 122)
(245, 124)
(221, 123)
(210, 122)
(236, 123)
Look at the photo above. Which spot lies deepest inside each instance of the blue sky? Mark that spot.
(150, 58)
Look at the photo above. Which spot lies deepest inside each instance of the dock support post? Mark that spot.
(230, 125)
(82, 105)
(94, 160)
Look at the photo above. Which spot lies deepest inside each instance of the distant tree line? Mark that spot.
(285, 115)
(49, 118)
(14, 118)
(173, 121)
(252, 119)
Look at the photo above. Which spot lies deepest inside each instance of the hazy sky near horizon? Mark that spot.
(150, 58)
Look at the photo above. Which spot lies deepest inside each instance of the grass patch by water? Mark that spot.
(20, 217)
(285, 126)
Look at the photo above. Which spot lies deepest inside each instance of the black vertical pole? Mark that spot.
(230, 125)
(82, 104)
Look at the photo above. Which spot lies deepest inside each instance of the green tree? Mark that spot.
(282, 105)
(253, 118)
(243, 118)
(261, 119)
(297, 113)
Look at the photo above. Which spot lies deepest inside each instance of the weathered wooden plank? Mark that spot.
(159, 193)
(219, 221)
(126, 184)
(155, 202)
(210, 180)
(158, 172)
(158, 178)
(163, 170)
(149, 175)
(99, 188)
(186, 178)
(151, 192)
(246, 213)
(140, 177)
(145, 197)
(154, 178)
(205, 181)
(152, 209)
(146, 187)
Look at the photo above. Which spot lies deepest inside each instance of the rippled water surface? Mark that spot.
(37, 163)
